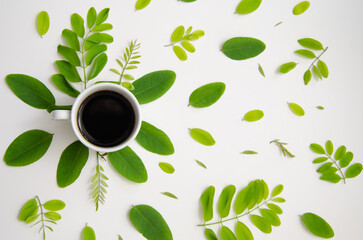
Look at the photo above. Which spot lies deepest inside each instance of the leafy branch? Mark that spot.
(281, 145)
(98, 182)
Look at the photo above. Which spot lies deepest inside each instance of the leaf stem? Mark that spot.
(41, 216)
(339, 168)
(318, 57)
(83, 63)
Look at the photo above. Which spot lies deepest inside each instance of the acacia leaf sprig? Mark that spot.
(98, 182)
(283, 149)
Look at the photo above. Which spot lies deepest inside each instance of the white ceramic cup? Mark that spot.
(72, 115)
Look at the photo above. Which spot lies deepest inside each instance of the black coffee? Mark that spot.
(106, 118)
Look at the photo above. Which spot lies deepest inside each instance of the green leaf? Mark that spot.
(279, 200)
(167, 167)
(317, 148)
(30, 90)
(317, 72)
(188, 46)
(326, 168)
(320, 160)
(202, 136)
(97, 66)
(53, 216)
(29, 208)
(346, 159)
(296, 109)
(119, 237)
(340, 152)
(180, 53)
(310, 43)
(253, 116)
(91, 17)
(178, 34)
(317, 225)
(32, 218)
(227, 234)
(128, 164)
(249, 152)
(27, 148)
(331, 177)
(306, 53)
(248, 6)
(54, 205)
(354, 170)
(225, 200)
(69, 54)
(93, 52)
(266, 191)
(320, 107)
(287, 67)
(277, 190)
(168, 194)
(153, 85)
(77, 23)
(243, 232)
(141, 4)
(207, 199)
(128, 86)
(43, 23)
(207, 95)
(88, 233)
(241, 48)
(275, 208)
(260, 69)
(100, 37)
(102, 27)
(323, 69)
(301, 7)
(71, 163)
(201, 164)
(72, 39)
(329, 147)
(307, 77)
(210, 235)
(271, 217)
(68, 71)
(154, 140)
(261, 224)
(64, 86)
(243, 200)
(150, 223)
(102, 16)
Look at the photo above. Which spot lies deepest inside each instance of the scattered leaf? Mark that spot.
(248, 6)
(249, 152)
(168, 194)
(167, 167)
(88, 233)
(202, 136)
(141, 4)
(317, 225)
(43, 23)
(310, 43)
(253, 116)
(201, 164)
(301, 7)
(207, 95)
(260, 69)
(296, 109)
(287, 67)
(320, 107)
(241, 48)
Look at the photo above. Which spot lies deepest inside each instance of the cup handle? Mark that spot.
(61, 115)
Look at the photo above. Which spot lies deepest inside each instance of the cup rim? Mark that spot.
(105, 87)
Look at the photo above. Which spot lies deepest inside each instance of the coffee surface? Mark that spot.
(106, 118)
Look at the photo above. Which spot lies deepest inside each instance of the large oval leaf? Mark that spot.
(248, 6)
(28, 148)
(43, 23)
(150, 223)
(30, 90)
(261, 223)
(243, 232)
(227, 234)
(207, 199)
(240, 48)
(97, 66)
(154, 140)
(354, 170)
(54, 205)
(202, 136)
(317, 226)
(253, 116)
(127, 163)
(301, 7)
(225, 200)
(88, 233)
(153, 85)
(64, 86)
(68, 71)
(296, 109)
(30, 208)
(207, 95)
(71, 163)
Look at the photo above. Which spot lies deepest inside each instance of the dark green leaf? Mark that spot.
(188, 46)
(150, 223)
(127, 163)
(207, 199)
(296, 109)
(202, 136)
(323, 69)
(53, 216)
(260, 69)
(154, 140)
(69, 54)
(248, 6)
(317, 148)
(317, 226)
(88, 233)
(329, 147)
(243, 199)
(307, 77)
(346, 159)
(43, 23)
(141, 4)
(240, 48)
(275, 208)
(54, 205)
(178, 34)
(287, 67)
(243, 232)
(103, 27)
(102, 16)
(271, 217)
(168, 194)
(310, 43)
(225, 200)
(301, 7)
(261, 223)
(320, 160)
(201, 164)
(97, 66)
(306, 53)
(91, 17)
(354, 170)
(253, 116)
(166, 167)
(29, 208)
(64, 86)
(340, 152)
(72, 39)
(68, 71)
(77, 23)
(28, 148)
(266, 191)
(331, 177)
(153, 85)
(71, 163)
(210, 235)
(207, 95)
(180, 53)
(227, 234)
(277, 190)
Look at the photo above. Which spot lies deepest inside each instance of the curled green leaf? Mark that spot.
(287, 67)
(207, 95)
(253, 116)
(301, 7)
(296, 109)
(202, 136)
(43, 23)
(317, 225)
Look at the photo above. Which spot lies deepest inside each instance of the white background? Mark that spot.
(335, 23)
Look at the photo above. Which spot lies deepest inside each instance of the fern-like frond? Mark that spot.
(283, 149)
(98, 183)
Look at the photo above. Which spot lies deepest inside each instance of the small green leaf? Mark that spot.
(29, 209)
(320, 107)
(277, 190)
(88, 233)
(91, 17)
(207, 95)
(154, 140)
(275, 208)
(102, 16)
(188, 46)
(128, 164)
(100, 37)
(249, 152)
(53, 216)
(331, 177)
(119, 237)
(177, 34)
(128, 85)
(32, 218)
(261, 224)
(225, 200)
(166, 167)
(317, 225)
(279, 200)
(168, 194)
(253, 116)
(325, 167)
(310, 43)
(202, 136)
(243, 232)
(153, 85)
(329, 147)
(201, 164)
(277, 24)
(243, 199)
(43, 23)
(320, 160)
(307, 77)
(306, 53)
(210, 235)
(54, 205)
(93, 52)
(30, 90)
(69, 54)
(128, 77)
(72, 39)
(317, 72)
(150, 223)
(141, 4)
(301, 7)
(227, 234)
(102, 27)
(287, 67)
(97, 66)
(323, 69)
(207, 199)
(248, 6)
(296, 109)
(180, 53)
(28, 148)
(271, 217)
(64, 86)
(317, 148)
(340, 152)
(68, 71)
(354, 170)
(71, 163)
(241, 48)
(346, 159)
(260, 69)
(77, 23)
(194, 35)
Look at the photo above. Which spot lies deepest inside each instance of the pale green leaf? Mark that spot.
(43, 23)
(201, 164)
(53, 216)
(354, 170)
(77, 23)
(188, 46)
(296, 109)
(225, 200)
(91, 17)
(69, 54)
(169, 194)
(301, 7)
(29, 209)
(88, 233)
(177, 34)
(261, 223)
(271, 217)
(329, 147)
(287, 67)
(253, 116)
(317, 148)
(141, 4)
(260, 69)
(54, 205)
(207, 199)
(68, 71)
(323, 68)
(249, 152)
(243, 232)
(227, 234)
(248, 6)
(180, 53)
(310, 43)
(202, 136)
(277, 190)
(307, 77)
(166, 167)
(98, 64)
(306, 53)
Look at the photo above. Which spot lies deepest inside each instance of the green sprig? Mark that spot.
(283, 149)
(98, 182)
